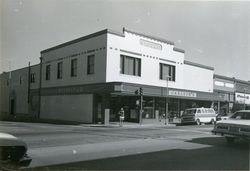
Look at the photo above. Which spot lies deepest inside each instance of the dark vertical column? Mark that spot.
(105, 104)
(179, 107)
(96, 101)
(153, 107)
(39, 91)
(94, 108)
(29, 85)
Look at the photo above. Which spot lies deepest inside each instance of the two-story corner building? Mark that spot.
(83, 77)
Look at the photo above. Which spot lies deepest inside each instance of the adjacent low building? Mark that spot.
(89, 79)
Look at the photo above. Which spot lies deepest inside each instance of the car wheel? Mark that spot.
(212, 121)
(230, 140)
(198, 122)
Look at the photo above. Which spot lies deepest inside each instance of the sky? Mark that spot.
(212, 33)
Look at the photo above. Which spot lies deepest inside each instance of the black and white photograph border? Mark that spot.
(124, 85)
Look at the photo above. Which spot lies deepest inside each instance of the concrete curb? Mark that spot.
(129, 125)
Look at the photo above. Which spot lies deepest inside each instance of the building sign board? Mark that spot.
(242, 98)
(182, 93)
(150, 44)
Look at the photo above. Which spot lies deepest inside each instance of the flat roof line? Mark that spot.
(105, 31)
(198, 65)
(148, 36)
(178, 50)
(231, 79)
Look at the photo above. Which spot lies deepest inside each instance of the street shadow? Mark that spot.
(217, 156)
(220, 141)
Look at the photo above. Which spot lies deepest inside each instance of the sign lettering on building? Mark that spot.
(150, 44)
(182, 93)
(242, 98)
(70, 90)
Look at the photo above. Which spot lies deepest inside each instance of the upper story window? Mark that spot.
(59, 70)
(130, 65)
(91, 64)
(47, 74)
(167, 71)
(20, 80)
(32, 77)
(73, 72)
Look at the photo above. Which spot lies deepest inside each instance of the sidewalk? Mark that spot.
(144, 124)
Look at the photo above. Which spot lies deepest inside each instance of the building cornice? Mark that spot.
(231, 79)
(148, 36)
(99, 33)
(110, 32)
(178, 50)
(198, 65)
(224, 77)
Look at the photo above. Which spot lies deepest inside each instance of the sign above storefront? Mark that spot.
(182, 93)
(242, 98)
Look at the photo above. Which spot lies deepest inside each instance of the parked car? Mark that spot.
(236, 126)
(198, 116)
(13, 152)
(223, 116)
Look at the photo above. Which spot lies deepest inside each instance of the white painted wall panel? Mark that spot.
(149, 63)
(196, 78)
(53, 57)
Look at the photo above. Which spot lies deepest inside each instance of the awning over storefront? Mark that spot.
(121, 88)
(129, 89)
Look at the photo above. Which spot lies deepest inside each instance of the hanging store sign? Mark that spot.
(182, 93)
(242, 98)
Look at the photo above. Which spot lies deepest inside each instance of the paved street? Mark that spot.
(190, 147)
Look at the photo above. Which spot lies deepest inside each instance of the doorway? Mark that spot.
(12, 106)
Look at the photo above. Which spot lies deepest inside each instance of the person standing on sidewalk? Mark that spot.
(121, 116)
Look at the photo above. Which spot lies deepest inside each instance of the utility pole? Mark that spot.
(244, 98)
(166, 115)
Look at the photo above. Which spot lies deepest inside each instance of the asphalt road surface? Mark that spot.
(216, 157)
(77, 147)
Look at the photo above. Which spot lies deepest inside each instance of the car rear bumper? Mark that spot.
(230, 134)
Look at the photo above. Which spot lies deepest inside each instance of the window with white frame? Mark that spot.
(59, 70)
(73, 68)
(32, 77)
(91, 64)
(47, 74)
(130, 65)
(167, 71)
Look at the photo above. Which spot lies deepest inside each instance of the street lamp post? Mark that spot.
(244, 98)
(166, 115)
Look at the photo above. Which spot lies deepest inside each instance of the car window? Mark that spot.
(237, 115)
(189, 111)
(211, 110)
(246, 115)
(198, 111)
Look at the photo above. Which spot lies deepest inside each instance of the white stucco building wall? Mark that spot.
(79, 50)
(190, 77)
(197, 77)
